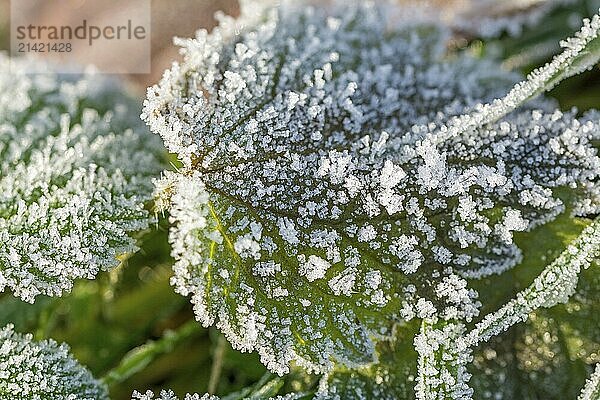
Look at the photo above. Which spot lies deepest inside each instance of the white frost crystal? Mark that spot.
(169, 395)
(591, 390)
(73, 179)
(311, 164)
(442, 366)
(44, 370)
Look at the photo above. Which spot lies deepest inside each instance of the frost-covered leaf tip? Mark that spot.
(310, 213)
(75, 168)
(44, 370)
(170, 395)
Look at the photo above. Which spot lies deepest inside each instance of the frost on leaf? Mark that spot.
(314, 209)
(591, 390)
(73, 179)
(44, 370)
(169, 395)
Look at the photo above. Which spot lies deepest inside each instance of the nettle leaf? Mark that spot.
(314, 208)
(73, 179)
(44, 370)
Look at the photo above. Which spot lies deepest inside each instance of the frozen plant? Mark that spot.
(345, 186)
(169, 395)
(592, 386)
(44, 370)
(75, 168)
(329, 189)
(338, 179)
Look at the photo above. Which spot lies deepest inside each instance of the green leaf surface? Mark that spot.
(312, 211)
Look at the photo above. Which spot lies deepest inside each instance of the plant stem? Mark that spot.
(140, 357)
(217, 364)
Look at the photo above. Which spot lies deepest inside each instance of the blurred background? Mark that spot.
(129, 327)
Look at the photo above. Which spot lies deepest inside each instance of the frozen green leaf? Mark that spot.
(315, 206)
(75, 171)
(43, 370)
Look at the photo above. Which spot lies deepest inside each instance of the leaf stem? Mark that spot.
(217, 364)
(140, 357)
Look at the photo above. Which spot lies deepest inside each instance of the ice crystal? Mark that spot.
(591, 390)
(170, 395)
(44, 370)
(73, 179)
(328, 191)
